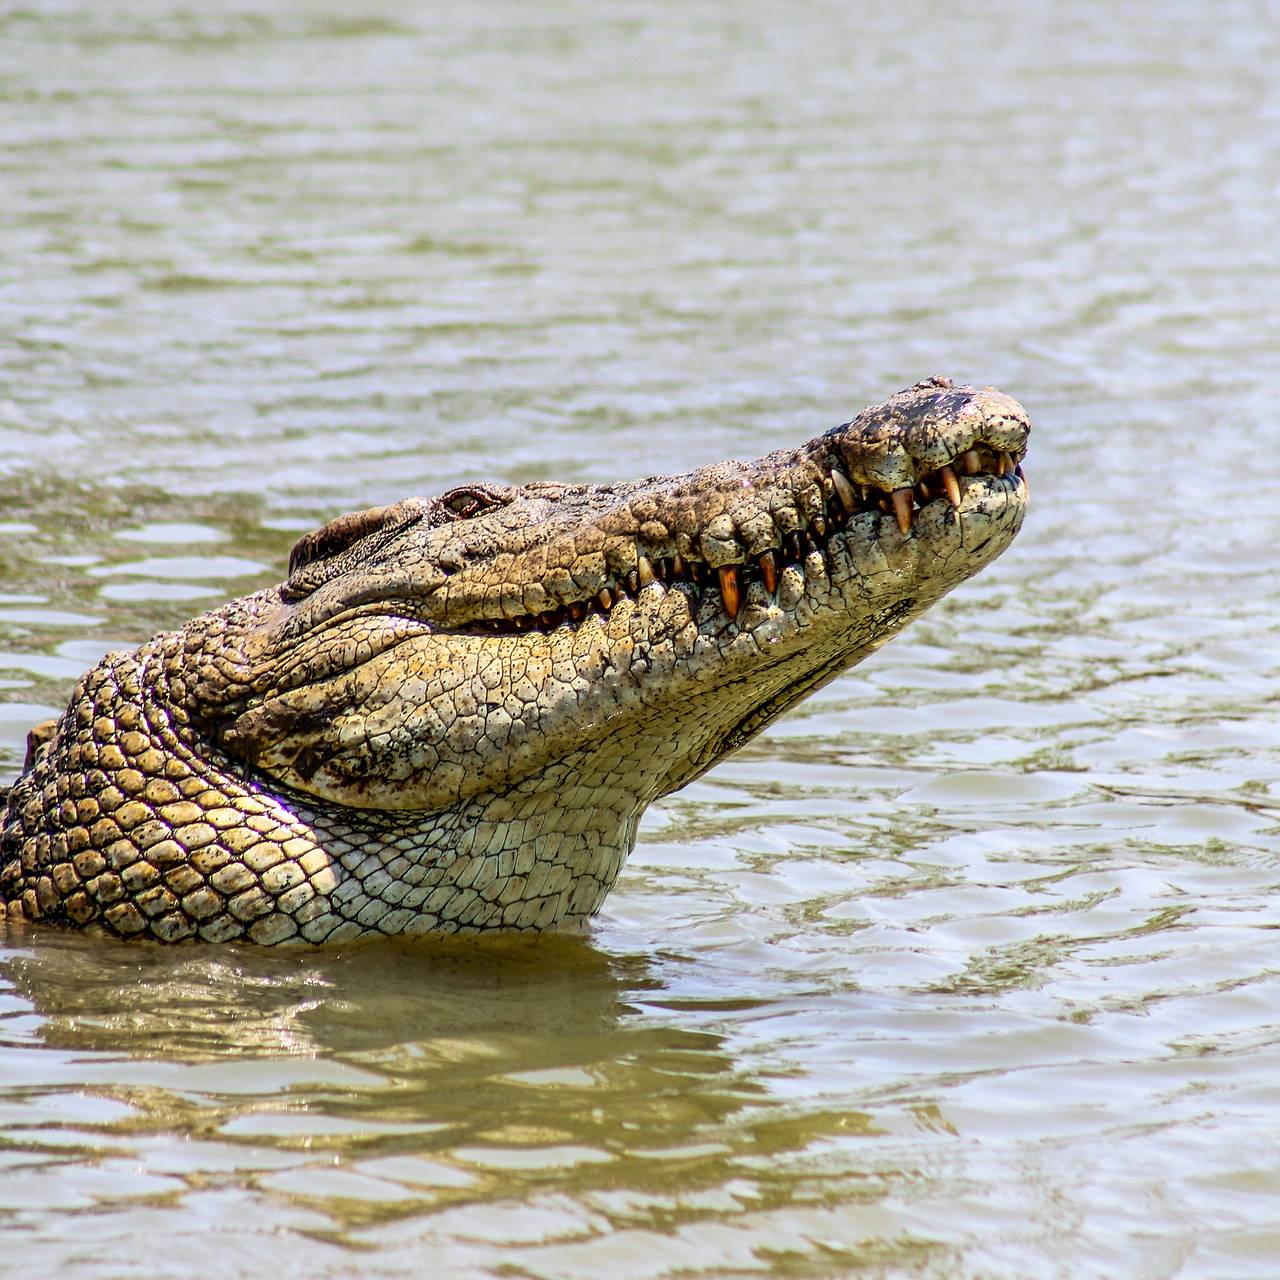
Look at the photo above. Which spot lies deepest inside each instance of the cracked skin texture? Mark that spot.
(452, 715)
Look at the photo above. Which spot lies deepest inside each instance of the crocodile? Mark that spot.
(451, 715)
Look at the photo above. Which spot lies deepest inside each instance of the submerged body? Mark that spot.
(452, 715)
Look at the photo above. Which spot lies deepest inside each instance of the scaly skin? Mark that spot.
(452, 715)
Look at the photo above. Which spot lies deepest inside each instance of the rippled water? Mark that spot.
(970, 968)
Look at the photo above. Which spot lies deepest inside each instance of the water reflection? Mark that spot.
(481, 1039)
(193, 1004)
(389, 1093)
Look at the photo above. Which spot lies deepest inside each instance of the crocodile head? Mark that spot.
(440, 649)
(453, 713)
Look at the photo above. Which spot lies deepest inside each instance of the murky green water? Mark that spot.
(971, 968)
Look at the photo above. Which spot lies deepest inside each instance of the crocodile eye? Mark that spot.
(468, 501)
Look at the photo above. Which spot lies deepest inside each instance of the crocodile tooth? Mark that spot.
(791, 546)
(844, 490)
(1006, 464)
(633, 582)
(605, 597)
(902, 508)
(972, 463)
(677, 566)
(950, 484)
(769, 567)
(820, 526)
(644, 571)
(577, 611)
(729, 593)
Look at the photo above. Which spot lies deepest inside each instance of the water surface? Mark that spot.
(970, 967)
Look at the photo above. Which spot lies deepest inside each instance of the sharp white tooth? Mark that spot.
(902, 505)
(951, 485)
(844, 490)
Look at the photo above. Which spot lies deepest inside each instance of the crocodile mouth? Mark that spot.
(728, 584)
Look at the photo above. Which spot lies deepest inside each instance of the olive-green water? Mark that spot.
(969, 968)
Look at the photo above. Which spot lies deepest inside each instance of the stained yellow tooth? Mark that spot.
(605, 597)
(844, 491)
(950, 484)
(769, 567)
(677, 566)
(972, 463)
(1006, 464)
(644, 571)
(729, 594)
(902, 508)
